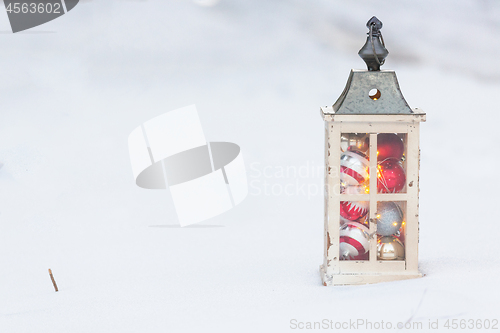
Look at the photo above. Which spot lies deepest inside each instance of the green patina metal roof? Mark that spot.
(355, 98)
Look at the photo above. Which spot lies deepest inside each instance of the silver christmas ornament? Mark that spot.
(354, 141)
(390, 248)
(389, 218)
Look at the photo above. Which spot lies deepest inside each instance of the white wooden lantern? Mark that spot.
(372, 159)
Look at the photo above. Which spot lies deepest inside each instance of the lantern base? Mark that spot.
(365, 278)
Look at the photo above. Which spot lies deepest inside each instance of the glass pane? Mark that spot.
(354, 179)
(391, 225)
(354, 163)
(391, 164)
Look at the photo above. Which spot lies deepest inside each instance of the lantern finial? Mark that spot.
(374, 51)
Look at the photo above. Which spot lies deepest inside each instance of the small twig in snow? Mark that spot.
(418, 306)
(53, 281)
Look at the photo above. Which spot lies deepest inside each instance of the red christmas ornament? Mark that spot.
(389, 145)
(353, 210)
(391, 176)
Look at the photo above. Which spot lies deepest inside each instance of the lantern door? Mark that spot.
(371, 199)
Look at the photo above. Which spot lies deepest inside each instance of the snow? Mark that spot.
(74, 88)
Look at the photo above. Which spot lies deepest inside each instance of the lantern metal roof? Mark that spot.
(356, 99)
(387, 98)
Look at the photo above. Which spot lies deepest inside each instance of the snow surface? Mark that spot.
(258, 71)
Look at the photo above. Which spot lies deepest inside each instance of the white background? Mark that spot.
(73, 89)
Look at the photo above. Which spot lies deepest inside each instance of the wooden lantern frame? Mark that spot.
(356, 112)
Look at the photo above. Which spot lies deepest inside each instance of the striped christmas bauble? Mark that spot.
(353, 210)
(354, 240)
(354, 167)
